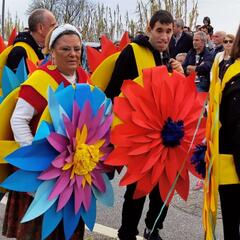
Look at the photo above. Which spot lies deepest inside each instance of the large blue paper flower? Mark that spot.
(64, 166)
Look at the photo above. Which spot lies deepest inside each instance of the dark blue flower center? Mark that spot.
(172, 132)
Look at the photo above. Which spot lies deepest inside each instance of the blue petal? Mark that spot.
(9, 81)
(65, 99)
(51, 219)
(108, 106)
(89, 217)
(21, 72)
(99, 98)
(83, 94)
(35, 157)
(106, 198)
(43, 131)
(40, 203)
(70, 219)
(22, 181)
(60, 87)
(54, 110)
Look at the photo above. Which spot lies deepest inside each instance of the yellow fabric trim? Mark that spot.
(30, 52)
(40, 81)
(228, 174)
(144, 57)
(103, 73)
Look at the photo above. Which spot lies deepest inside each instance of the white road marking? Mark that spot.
(98, 228)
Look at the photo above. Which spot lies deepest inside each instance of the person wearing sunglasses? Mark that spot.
(223, 142)
(223, 58)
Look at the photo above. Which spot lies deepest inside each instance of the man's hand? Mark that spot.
(176, 65)
(190, 69)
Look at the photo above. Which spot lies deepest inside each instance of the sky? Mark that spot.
(224, 14)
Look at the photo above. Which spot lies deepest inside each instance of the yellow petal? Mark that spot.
(67, 166)
(99, 143)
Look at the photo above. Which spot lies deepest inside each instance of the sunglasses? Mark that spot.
(228, 41)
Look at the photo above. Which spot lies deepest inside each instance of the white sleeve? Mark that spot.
(21, 117)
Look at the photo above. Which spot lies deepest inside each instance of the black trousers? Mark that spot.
(132, 211)
(230, 206)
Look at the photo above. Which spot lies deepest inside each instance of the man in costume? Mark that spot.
(65, 49)
(29, 44)
(144, 52)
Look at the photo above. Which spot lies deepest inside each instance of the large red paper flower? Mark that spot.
(158, 119)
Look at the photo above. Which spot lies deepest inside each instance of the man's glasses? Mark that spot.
(228, 41)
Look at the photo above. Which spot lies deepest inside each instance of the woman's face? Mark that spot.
(66, 53)
(227, 43)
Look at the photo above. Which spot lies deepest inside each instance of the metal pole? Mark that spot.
(185, 12)
(3, 13)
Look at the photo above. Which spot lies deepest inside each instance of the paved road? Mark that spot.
(183, 221)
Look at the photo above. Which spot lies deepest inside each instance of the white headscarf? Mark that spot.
(59, 30)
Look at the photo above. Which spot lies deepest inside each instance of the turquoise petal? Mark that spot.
(106, 198)
(108, 106)
(54, 110)
(35, 157)
(22, 181)
(66, 94)
(21, 72)
(99, 98)
(89, 217)
(40, 203)
(83, 94)
(51, 219)
(43, 131)
(9, 81)
(60, 87)
(70, 219)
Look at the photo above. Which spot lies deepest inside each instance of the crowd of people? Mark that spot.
(169, 42)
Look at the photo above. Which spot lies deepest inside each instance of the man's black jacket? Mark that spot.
(18, 52)
(126, 68)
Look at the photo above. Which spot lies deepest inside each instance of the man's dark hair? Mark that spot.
(162, 16)
(36, 17)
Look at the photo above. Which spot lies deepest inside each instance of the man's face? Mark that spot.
(198, 43)
(217, 39)
(160, 35)
(48, 23)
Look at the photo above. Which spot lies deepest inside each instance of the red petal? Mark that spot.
(182, 187)
(164, 189)
(118, 157)
(144, 187)
(122, 109)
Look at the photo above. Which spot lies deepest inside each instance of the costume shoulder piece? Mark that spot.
(101, 63)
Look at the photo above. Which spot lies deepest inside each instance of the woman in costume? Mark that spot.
(64, 45)
(223, 147)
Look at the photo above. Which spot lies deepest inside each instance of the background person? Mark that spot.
(40, 22)
(181, 42)
(199, 60)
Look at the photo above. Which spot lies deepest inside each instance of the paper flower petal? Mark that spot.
(89, 216)
(70, 219)
(51, 219)
(22, 181)
(106, 199)
(43, 131)
(40, 203)
(31, 159)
